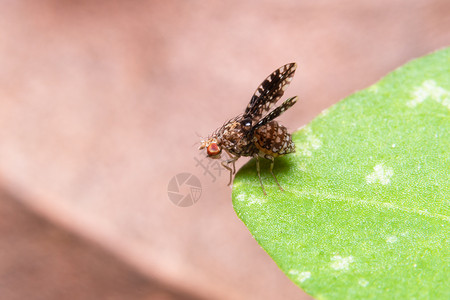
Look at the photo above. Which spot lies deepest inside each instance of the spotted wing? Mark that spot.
(275, 113)
(269, 92)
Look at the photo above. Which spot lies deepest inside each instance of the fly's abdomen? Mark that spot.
(274, 140)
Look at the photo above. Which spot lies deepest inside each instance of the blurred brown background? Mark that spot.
(102, 102)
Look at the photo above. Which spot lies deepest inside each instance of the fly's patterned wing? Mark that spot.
(269, 92)
(275, 113)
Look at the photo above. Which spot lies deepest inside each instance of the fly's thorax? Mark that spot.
(234, 136)
(273, 139)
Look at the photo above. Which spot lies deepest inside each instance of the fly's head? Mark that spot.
(212, 145)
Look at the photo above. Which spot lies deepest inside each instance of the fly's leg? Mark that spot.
(226, 163)
(259, 173)
(233, 161)
(272, 162)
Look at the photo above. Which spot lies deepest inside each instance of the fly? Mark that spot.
(255, 133)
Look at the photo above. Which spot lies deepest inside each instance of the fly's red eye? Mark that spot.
(213, 149)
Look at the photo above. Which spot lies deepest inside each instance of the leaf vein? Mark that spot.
(378, 204)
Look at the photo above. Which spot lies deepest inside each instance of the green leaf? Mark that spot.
(366, 209)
